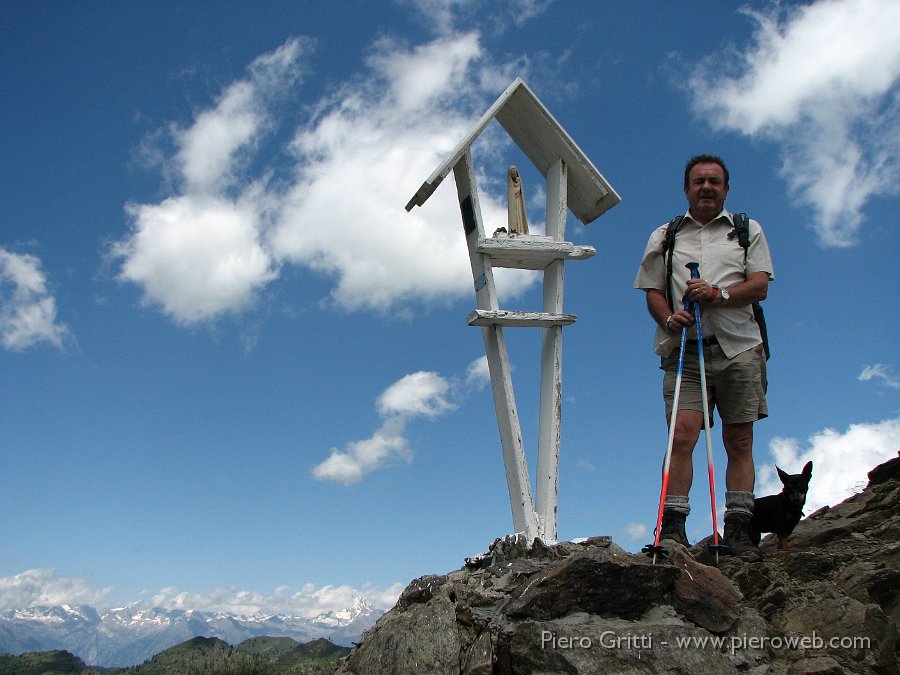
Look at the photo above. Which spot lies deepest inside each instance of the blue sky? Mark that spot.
(236, 373)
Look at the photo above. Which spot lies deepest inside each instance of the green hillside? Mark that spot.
(198, 656)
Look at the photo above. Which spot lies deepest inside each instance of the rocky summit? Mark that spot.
(830, 603)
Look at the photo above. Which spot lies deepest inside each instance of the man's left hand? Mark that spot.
(699, 290)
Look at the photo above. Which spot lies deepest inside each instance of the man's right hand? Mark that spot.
(678, 321)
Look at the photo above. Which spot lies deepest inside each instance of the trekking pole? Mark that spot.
(715, 546)
(655, 549)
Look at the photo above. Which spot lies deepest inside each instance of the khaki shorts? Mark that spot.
(736, 387)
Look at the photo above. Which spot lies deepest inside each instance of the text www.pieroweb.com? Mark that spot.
(611, 640)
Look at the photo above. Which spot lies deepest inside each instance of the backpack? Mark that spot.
(742, 232)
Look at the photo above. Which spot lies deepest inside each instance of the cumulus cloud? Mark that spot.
(27, 309)
(422, 394)
(46, 588)
(821, 80)
(200, 253)
(881, 372)
(362, 158)
(840, 460)
(331, 200)
(196, 256)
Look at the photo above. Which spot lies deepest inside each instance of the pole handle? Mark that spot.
(694, 267)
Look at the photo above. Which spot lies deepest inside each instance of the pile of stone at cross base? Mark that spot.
(828, 604)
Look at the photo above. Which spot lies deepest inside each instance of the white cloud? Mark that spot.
(636, 531)
(422, 394)
(197, 257)
(840, 460)
(212, 149)
(882, 372)
(310, 601)
(27, 309)
(199, 254)
(361, 457)
(821, 80)
(444, 15)
(45, 588)
(209, 149)
(361, 160)
(337, 206)
(478, 374)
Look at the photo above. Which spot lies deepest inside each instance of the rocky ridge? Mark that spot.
(829, 604)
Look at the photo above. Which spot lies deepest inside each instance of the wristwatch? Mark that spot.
(726, 296)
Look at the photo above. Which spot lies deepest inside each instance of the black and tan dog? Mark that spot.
(780, 513)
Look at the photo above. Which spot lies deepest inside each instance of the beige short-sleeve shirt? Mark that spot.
(722, 263)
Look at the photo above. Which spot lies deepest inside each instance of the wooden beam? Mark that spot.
(461, 149)
(524, 517)
(550, 420)
(531, 252)
(512, 319)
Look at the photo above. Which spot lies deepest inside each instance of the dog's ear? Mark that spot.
(807, 470)
(782, 475)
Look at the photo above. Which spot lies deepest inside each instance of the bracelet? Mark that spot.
(668, 320)
(715, 293)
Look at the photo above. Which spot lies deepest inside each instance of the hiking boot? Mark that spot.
(673, 527)
(737, 538)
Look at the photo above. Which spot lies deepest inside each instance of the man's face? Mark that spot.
(706, 191)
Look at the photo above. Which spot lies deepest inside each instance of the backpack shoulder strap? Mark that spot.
(671, 230)
(668, 250)
(741, 231)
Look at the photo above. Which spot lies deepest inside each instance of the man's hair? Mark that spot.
(703, 159)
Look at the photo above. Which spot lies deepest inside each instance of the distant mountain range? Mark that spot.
(129, 635)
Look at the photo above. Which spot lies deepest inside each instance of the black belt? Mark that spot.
(707, 341)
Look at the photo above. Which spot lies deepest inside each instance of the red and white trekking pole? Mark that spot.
(715, 546)
(655, 549)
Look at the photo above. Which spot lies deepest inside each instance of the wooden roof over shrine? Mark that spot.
(543, 141)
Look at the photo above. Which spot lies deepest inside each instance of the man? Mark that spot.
(732, 279)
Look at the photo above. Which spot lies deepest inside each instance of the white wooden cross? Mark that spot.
(572, 183)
